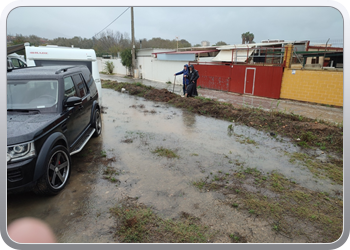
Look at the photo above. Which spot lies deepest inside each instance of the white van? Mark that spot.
(58, 55)
(17, 60)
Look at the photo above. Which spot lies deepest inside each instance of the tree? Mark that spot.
(247, 38)
(126, 58)
(243, 38)
(111, 43)
(19, 39)
(250, 38)
(220, 43)
(184, 43)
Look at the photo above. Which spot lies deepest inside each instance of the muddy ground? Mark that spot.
(160, 173)
(306, 131)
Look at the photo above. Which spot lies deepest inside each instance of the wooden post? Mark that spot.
(132, 42)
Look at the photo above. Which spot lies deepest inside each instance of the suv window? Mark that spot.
(82, 90)
(69, 89)
(39, 94)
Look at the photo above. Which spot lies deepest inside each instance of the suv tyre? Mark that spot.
(57, 172)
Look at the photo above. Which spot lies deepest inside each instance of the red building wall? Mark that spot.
(262, 81)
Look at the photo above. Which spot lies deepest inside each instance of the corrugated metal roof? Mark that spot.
(253, 45)
(186, 52)
(249, 45)
(236, 56)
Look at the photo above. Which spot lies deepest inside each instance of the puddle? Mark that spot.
(132, 129)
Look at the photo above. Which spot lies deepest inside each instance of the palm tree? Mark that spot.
(247, 37)
(243, 38)
(251, 37)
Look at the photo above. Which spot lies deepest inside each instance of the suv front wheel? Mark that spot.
(57, 172)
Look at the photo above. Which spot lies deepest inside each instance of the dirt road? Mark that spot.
(314, 111)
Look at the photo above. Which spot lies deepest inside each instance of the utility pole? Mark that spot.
(133, 42)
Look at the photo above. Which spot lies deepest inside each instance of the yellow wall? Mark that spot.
(318, 86)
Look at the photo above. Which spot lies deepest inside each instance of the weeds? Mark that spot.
(136, 223)
(288, 207)
(109, 173)
(160, 151)
(203, 98)
(103, 153)
(237, 238)
(307, 136)
(333, 169)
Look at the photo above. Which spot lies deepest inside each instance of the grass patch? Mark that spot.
(333, 169)
(161, 151)
(136, 223)
(110, 173)
(137, 88)
(237, 238)
(203, 98)
(290, 209)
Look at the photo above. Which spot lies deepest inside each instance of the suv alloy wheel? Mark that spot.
(58, 167)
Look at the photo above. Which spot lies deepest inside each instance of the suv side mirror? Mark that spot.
(73, 101)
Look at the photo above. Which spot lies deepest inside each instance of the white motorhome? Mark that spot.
(58, 55)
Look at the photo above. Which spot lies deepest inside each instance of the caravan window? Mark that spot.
(62, 62)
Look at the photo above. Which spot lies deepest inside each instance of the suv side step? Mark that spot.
(82, 142)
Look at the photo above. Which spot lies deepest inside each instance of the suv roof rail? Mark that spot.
(64, 69)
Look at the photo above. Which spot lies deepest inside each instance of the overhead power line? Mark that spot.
(112, 21)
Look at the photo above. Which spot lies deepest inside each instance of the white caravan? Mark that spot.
(58, 55)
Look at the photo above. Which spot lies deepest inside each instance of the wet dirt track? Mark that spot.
(132, 129)
(314, 111)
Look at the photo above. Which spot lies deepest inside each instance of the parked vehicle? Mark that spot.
(9, 65)
(52, 112)
(58, 55)
(17, 60)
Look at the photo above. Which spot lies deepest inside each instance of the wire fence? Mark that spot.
(339, 43)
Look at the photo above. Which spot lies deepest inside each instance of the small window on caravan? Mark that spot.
(51, 62)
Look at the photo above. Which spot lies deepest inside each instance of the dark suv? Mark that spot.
(52, 112)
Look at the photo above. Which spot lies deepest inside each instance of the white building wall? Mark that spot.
(151, 69)
(162, 71)
(118, 66)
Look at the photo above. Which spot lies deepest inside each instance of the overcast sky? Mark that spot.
(194, 24)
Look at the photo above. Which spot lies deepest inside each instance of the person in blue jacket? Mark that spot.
(185, 77)
(191, 90)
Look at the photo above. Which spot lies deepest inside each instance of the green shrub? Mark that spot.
(109, 67)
